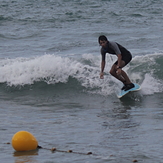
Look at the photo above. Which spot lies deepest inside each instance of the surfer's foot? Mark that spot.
(124, 85)
(129, 86)
(123, 88)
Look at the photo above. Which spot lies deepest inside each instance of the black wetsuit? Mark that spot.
(115, 49)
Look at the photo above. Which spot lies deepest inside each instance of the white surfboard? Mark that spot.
(122, 92)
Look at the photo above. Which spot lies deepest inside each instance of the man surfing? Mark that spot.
(124, 57)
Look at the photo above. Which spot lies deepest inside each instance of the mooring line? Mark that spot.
(68, 151)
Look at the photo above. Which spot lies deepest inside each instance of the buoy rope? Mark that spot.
(68, 151)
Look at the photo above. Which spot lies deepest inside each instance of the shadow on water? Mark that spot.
(131, 99)
(138, 100)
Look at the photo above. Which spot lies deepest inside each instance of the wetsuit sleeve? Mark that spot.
(103, 54)
(115, 48)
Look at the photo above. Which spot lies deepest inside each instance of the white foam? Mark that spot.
(21, 71)
(54, 69)
(151, 85)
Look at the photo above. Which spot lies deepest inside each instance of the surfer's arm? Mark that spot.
(103, 54)
(102, 69)
(117, 51)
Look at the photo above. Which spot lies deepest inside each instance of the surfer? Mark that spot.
(124, 57)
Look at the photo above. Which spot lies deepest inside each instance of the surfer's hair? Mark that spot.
(102, 38)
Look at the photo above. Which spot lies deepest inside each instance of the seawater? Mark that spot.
(50, 86)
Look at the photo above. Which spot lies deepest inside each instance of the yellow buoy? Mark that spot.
(24, 141)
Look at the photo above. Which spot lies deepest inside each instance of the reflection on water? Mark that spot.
(26, 157)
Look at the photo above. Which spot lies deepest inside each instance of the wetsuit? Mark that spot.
(115, 49)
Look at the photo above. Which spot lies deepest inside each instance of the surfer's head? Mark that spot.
(102, 40)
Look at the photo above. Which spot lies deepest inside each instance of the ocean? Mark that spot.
(50, 86)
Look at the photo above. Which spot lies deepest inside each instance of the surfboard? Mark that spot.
(122, 92)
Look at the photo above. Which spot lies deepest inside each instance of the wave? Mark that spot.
(80, 74)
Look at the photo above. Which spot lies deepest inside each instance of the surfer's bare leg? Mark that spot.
(123, 77)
